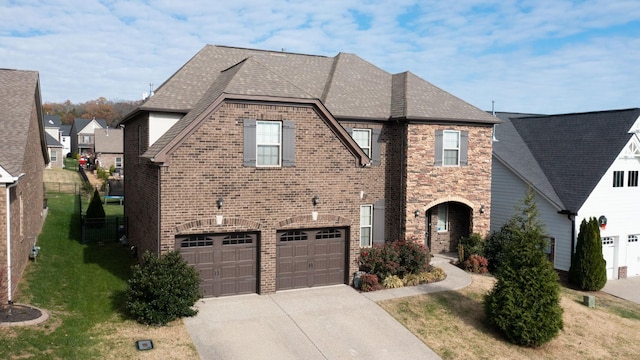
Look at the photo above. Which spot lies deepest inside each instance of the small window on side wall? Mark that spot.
(269, 143)
(633, 178)
(366, 217)
(369, 142)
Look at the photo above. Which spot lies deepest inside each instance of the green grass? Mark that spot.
(81, 285)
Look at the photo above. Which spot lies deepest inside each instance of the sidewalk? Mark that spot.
(456, 279)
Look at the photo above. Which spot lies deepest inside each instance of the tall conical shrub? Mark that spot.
(588, 269)
(95, 216)
(524, 305)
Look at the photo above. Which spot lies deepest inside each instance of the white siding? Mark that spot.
(507, 193)
(619, 205)
(159, 123)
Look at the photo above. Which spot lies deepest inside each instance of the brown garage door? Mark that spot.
(310, 257)
(227, 262)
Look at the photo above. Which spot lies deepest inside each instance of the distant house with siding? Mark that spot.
(580, 165)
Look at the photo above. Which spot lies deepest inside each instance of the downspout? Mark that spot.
(572, 217)
(8, 187)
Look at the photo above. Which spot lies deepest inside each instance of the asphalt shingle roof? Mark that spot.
(513, 152)
(575, 150)
(19, 90)
(347, 85)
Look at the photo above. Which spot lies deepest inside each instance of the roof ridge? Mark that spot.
(271, 52)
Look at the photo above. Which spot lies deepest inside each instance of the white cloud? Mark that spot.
(533, 56)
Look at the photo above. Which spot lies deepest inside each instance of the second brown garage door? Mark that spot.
(310, 257)
(227, 263)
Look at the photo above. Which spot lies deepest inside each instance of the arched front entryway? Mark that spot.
(446, 223)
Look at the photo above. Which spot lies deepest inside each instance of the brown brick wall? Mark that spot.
(26, 206)
(140, 189)
(208, 165)
(428, 185)
(107, 160)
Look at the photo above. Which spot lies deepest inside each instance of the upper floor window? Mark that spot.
(118, 162)
(363, 139)
(54, 155)
(633, 178)
(451, 148)
(86, 139)
(618, 178)
(268, 143)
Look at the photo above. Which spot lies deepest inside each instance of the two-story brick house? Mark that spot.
(269, 170)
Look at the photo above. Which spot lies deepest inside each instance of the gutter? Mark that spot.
(8, 187)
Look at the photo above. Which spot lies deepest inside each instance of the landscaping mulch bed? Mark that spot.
(18, 313)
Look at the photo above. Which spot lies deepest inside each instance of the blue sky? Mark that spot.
(538, 56)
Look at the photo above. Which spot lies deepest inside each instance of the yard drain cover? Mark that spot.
(144, 344)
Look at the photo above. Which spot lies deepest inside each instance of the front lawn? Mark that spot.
(82, 287)
(452, 323)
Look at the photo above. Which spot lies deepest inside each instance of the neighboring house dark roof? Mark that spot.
(81, 123)
(511, 151)
(575, 150)
(66, 130)
(52, 121)
(51, 141)
(347, 85)
(109, 141)
(19, 99)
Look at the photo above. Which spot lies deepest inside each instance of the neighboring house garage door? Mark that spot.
(227, 263)
(310, 257)
(633, 255)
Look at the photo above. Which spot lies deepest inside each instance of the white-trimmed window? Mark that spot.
(443, 218)
(363, 139)
(366, 222)
(450, 148)
(54, 155)
(633, 238)
(268, 143)
(118, 162)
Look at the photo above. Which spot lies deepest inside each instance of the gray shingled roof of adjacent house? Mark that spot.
(511, 151)
(51, 141)
(52, 121)
(66, 130)
(81, 123)
(348, 86)
(19, 90)
(575, 150)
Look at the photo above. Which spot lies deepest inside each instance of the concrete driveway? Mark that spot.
(334, 322)
(628, 289)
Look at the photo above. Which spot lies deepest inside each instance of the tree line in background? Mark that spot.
(110, 110)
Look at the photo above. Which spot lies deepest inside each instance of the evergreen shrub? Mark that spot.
(588, 269)
(162, 289)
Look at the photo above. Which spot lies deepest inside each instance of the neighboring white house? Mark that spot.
(580, 165)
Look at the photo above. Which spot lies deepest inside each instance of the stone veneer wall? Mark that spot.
(428, 186)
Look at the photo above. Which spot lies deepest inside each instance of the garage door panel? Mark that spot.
(227, 263)
(311, 257)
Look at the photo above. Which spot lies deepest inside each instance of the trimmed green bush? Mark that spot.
(495, 245)
(588, 269)
(524, 305)
(472, 245)
(413, 257)
(162, 289)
